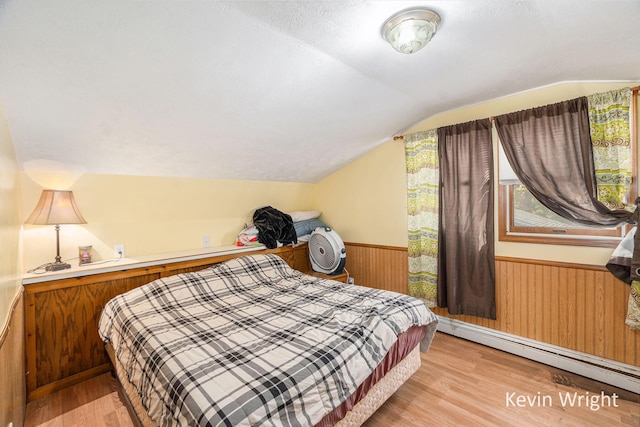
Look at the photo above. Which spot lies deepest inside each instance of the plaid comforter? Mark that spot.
(252, 342)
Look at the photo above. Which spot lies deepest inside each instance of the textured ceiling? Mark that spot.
(274, 90)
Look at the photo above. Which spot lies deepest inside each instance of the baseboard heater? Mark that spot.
(608, 371)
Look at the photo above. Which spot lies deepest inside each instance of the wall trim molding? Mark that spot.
(552, 263)
(608, 371)
(375, 246)
(5, 329)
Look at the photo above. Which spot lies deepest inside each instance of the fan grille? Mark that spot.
(322, 251)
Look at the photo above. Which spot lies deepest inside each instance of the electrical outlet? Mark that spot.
(118, 250)
(351, 281)
(206, 241)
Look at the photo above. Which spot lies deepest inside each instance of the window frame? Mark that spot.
(588, 236)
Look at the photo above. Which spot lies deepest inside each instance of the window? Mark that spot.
(523, 219)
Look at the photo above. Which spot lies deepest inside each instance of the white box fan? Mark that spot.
(326, 251)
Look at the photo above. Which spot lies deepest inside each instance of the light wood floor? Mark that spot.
(459, 384)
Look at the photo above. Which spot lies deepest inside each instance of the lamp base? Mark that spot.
(56, 266)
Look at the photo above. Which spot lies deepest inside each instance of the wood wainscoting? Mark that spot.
(575, 306)
(12, 366)
(380, 267)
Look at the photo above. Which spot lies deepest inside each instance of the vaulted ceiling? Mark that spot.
(275, 90)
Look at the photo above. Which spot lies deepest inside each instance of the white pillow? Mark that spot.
(297, 216)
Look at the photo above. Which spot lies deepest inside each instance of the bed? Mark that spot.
(252, 341)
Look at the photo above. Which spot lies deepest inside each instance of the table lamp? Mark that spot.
(54, 208)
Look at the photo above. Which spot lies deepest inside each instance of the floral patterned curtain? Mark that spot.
(633, 308)
(423, 183)
(609, 118)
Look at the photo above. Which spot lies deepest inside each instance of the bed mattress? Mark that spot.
(253, 342)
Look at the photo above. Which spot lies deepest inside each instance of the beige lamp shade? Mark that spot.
(54, 208)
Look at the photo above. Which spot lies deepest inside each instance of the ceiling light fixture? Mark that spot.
(410, 30)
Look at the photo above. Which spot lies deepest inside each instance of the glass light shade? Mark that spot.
(411, 30)
(56, 207)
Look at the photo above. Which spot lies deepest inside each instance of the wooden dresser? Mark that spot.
(62, 309)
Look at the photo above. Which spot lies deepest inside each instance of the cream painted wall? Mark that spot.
(366, 200)
(151, 215)
(10, 223)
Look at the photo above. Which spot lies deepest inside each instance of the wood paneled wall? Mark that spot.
(12, 367)
(380, 267)
(579, 307)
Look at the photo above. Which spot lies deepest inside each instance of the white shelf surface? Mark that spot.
(138, 262)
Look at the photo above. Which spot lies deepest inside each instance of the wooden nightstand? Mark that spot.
(342, 277)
